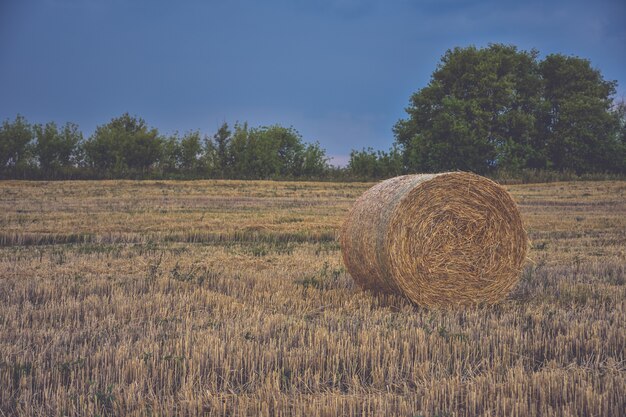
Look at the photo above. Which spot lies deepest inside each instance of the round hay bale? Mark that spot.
(453, 238)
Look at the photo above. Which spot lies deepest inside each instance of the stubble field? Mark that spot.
(227, 298)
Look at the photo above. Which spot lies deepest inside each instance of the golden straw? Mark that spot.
(453, 238)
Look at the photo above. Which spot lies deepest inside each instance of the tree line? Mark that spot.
(127, 147)
(486, 110)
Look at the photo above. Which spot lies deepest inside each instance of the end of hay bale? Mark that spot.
(439, 239)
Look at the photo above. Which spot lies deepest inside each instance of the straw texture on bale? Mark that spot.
(439, 239)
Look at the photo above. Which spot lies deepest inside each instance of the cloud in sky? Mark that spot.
(340, 71)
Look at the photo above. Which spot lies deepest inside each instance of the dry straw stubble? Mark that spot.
(439, 239)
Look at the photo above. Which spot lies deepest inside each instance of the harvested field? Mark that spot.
(230, 298)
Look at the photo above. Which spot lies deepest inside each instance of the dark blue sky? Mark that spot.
(339, 71)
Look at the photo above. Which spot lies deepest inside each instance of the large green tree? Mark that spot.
(268, 152)
(183, 155)
(314, 161)
(191, 153)
(578, 125)
(368, 163)
(501, 108)
(56, 148)
(221, 145)
(273, 152)
(16, 148)
(125, 144)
